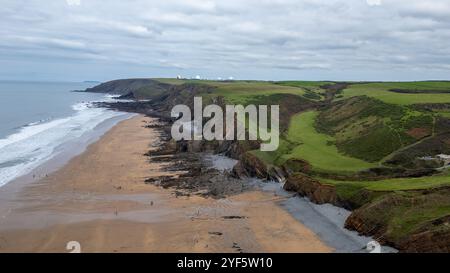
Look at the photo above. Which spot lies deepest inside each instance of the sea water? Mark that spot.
(37, 118)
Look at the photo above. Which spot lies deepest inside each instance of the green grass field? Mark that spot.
(398, 184)
(240, 92)
(314, 86)
(172, 81)
(317, 148)
(381, 91)
(243, 91)
(445, 114)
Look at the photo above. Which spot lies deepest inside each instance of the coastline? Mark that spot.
(99, 199)
(63, 154)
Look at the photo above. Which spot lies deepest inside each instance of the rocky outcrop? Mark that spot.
(179, 94)
(375, 213)
(128, 96)
(313, 189)
(428, 239)
(250, 166)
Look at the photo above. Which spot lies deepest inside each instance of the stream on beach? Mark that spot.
(326, 221)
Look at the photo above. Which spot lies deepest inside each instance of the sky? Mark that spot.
(358, 40)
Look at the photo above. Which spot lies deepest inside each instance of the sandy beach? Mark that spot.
(100, 200)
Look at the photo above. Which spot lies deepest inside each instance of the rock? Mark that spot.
(250, 166)
(313, 189)
(231, 217)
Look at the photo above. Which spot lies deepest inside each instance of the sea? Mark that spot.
(39, 119)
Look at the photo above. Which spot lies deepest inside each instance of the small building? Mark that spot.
(444, 158)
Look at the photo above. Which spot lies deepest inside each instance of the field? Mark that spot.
(244, 92)
(445, 114)
(310, 87)
(381, 91)
(240, 92)
(318, 149)
(398, 184)
(172, 81)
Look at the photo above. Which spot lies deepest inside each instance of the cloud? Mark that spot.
(48, 43)
(438, 9)
(73, 2)
(373, 2)
(270, 39)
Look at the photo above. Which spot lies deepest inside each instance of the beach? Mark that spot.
(100, 199)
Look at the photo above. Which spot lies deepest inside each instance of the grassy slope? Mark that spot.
(314, 89)
(397, 205)
(241, 92)
(445, 114)
(172, 81)
(370, 129)
(317, 148)
(302, 140)
(398, 184)
(381, 91)
(397, 216)
(305, 84)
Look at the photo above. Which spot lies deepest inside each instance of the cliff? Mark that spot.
(398, 219)
(129, 87)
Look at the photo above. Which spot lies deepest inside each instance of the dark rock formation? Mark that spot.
(313, 189)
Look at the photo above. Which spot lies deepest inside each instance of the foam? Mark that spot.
(38, 142)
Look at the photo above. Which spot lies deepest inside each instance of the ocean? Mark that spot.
(37, 119)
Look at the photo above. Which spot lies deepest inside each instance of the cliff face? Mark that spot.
(392, 218)
(250, 166)
(398, 219)
(313, 189)
(179, 94)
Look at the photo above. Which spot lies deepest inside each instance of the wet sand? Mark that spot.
(100, 200)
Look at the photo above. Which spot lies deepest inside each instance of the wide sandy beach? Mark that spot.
(100, 200)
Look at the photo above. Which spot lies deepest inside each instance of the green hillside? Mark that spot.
(317, 148)
(402, 93)
(374, 145)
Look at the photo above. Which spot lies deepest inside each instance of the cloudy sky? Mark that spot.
(76, 40)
